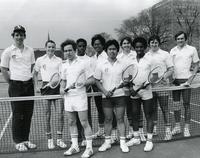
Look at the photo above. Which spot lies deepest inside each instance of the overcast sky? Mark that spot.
(65, 18)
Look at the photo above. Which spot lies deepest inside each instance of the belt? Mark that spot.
(22, 82)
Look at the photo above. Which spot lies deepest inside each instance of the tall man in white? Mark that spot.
(183, 56)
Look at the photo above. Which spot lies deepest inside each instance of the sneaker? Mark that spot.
(186, 132)
(124, 148)
(51, 144)
(133, 141)
(176, 130)
(21, 147)
(142, 136)
(168, 134)
(61, 143)
(155, 130)
(83, 143)
(99, 133)
(30, 145)
(148, 146)
(72, 150)
(87, 153)
(105, 146)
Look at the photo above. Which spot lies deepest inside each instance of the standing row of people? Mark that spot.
(103, 72)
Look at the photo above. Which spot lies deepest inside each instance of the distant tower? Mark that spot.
(48, 38)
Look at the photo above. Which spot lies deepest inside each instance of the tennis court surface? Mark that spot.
(177, 147)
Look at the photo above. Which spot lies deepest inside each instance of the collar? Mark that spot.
(13, 47)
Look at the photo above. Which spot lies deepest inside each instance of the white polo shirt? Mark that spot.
(110, 75)
(47, 66)
(144, 68)
(182, 59)
(89, 61)
(160, 58)
(70, 73)
(130, 56)
(98, 59)
(19, 63)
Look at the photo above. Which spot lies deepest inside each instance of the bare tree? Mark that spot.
(187, 18)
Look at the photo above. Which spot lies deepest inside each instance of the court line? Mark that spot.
(5, 126)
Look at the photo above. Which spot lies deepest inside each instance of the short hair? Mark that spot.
(125, 38)
(180, 33)
(49, 41)
(141, 40)
(19, 29)
(81, 40)
(154, 37)
(68, 42)
(112, 42)
(98, 37)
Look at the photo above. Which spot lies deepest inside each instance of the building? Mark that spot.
(176, 15)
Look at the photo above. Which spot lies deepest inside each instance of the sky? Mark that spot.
(65, 18)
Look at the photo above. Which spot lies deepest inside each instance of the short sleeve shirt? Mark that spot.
(18, 62)
(110, 75)
(182, 59)
(131, 57)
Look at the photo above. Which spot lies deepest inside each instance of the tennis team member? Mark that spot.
(163, 59)
(108, 76)
(75, 100)
(183, 56)
(17, 63)
(48, 65)
(144, 96)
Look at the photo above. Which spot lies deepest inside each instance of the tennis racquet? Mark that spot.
(155, 77)
(79, 83)
(128, 75)
(53, 82)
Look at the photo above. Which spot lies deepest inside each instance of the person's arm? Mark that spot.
(35, 78)
(194, 72)
(6, 74)
(102, 89)
(62, 86)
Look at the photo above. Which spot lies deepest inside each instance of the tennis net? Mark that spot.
(38, 135)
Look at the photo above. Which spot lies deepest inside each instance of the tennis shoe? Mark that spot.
(72, 150)
(176, 130)
(186, 132)
(30, 145)
(51, 144)
(148, 146)
(87, 153)
(124, 147)
(168, 134)
(133, 141)
(105, 146)
(21, 147)
(61, 143)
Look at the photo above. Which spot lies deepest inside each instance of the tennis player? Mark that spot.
(108, 76)
(47, 65)
(17, 63)
(81, 55)
(144, 96)
(183, 56)
(163, 59)
(128, 55)
(76, 99)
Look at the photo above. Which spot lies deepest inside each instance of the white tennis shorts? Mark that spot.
(76, 103)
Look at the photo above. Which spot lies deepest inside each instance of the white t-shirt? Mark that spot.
(47, 66)
(18, 62)
(182, 59)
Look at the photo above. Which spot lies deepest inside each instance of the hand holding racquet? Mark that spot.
(128, 75)
(79, 83)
